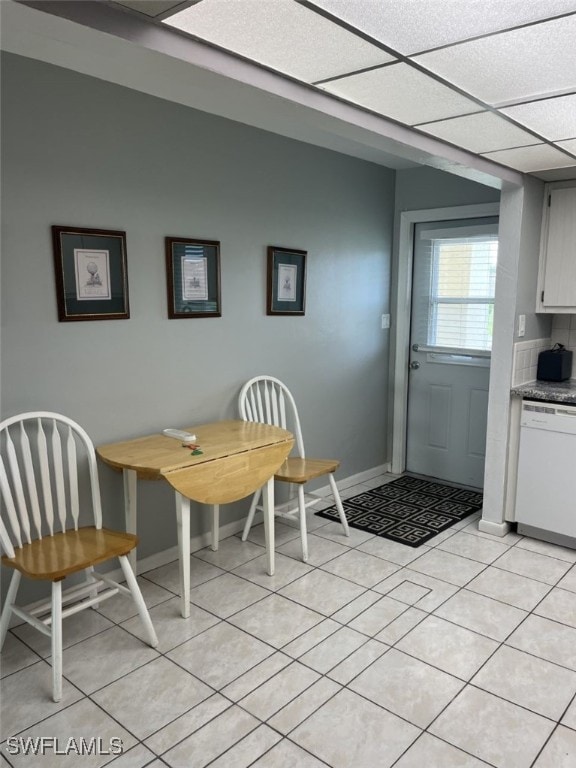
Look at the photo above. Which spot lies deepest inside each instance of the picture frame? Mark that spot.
(286, 294)
(193, 277)
(91, 274)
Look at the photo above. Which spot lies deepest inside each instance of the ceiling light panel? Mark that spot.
(531, 62)
(530, 159)
(282, 35)
(552, 118)
(411, 26)
(403, 93)
(483, 132)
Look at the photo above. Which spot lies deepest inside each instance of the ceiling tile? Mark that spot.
(393, 22)
(535, 158)
(557, 174)
(403, 93)
(525, 63)
(482, 132)
(569, 146)
(552, 118)
(150, 7)
(282, 35)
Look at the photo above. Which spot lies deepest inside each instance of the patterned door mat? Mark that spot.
(408, 510)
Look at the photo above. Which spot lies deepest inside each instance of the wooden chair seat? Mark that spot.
(55, 557)
(299, 470)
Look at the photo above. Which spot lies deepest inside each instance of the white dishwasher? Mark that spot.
(546, 485)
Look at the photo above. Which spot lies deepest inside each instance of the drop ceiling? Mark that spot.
(494, 78)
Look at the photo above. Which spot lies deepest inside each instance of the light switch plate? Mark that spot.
(521, 325)
(385, 321)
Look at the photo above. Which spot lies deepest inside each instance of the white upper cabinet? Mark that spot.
(557, 273)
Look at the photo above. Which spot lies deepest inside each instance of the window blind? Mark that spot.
(462, 284)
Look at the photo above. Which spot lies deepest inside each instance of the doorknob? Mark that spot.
(415, 365)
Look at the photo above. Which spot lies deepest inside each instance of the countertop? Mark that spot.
(553, 391)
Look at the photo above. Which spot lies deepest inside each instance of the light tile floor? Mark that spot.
(461, 653)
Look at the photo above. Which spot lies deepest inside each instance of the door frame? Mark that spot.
(404, 309)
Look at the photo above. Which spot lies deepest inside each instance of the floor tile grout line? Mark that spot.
(15, 672)
(539, 581)
(513, 703)
(231, 704)
(228, 749)
(343, 660)
(287, 703)
(434, 736)
(299, 746)
(503, 602)
(373, 605)
(518, 545)
(572, 702)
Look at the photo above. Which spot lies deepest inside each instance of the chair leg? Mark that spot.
(303, 529)
(139, 600)
(89, 573)
(7, 610)
(339, 506)
(215, 527)
(56, 640)
(251, 513)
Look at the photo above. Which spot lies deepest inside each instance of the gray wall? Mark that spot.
(422, 188)
(79, 151)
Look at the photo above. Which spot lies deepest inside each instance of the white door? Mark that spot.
(454, 276)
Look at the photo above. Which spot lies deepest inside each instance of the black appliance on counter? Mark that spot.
(554, 364)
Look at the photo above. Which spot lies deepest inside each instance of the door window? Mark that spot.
(457, 283)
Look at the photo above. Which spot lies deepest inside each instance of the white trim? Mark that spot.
(403, 310)
(515, 414)
(496, 529)
(360, 477)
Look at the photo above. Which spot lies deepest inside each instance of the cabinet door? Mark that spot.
(559, 284)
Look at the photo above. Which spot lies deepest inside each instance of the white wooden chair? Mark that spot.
(267, 400)
(48, 475)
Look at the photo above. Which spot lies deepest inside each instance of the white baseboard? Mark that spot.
(496, 529)
(359, 477)
(204, 539)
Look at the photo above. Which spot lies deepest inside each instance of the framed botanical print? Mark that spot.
(193, 275)
(91, 274)
(286, 293)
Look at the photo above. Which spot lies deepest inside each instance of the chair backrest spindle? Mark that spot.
(30, 479)
(42, 448)
(41, 477)
(267, 400)
(73, 477)
(58, 469)
(20, 499)
(11, 512)
(275, 409)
